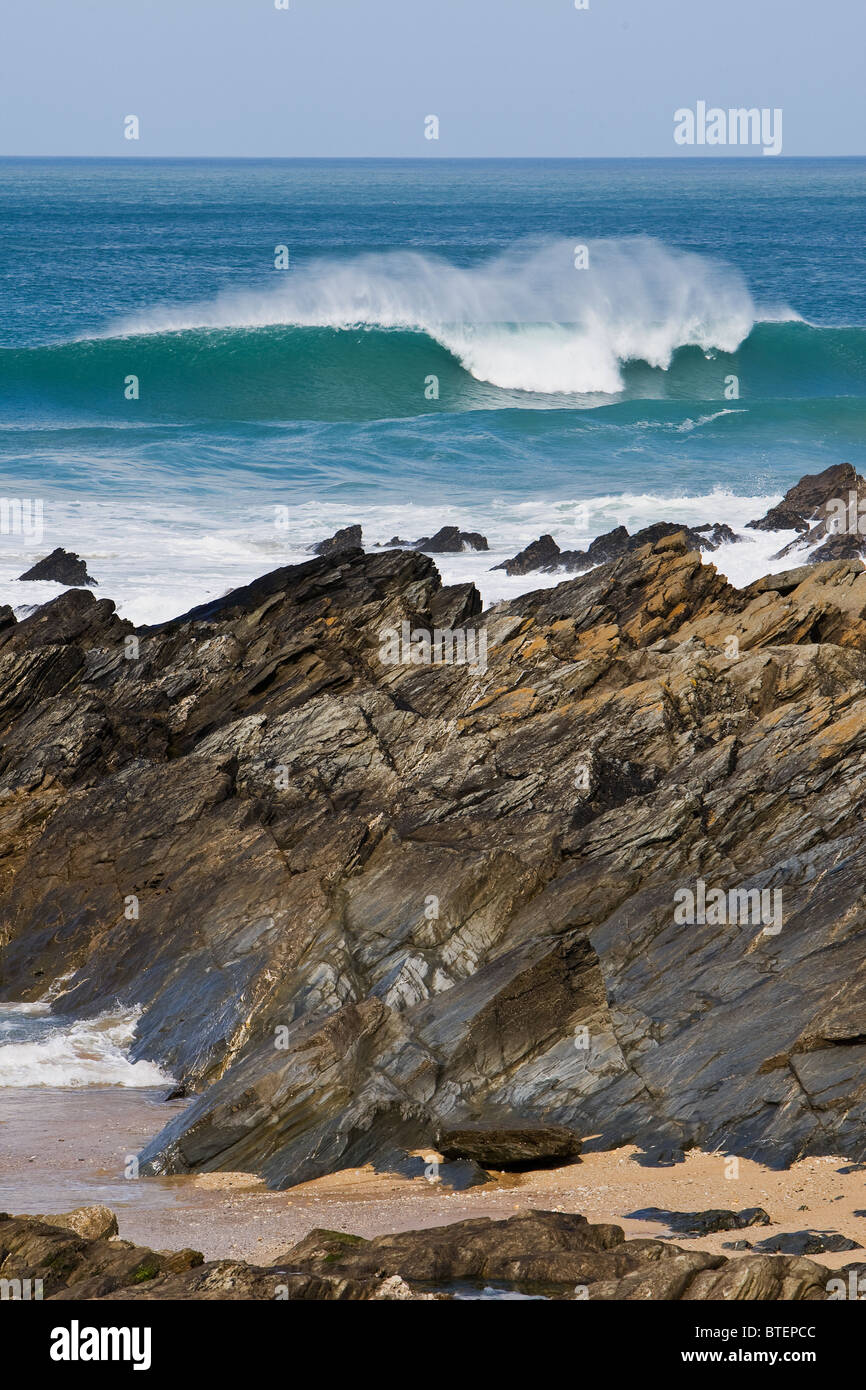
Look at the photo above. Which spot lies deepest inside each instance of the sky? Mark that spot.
(354, 78)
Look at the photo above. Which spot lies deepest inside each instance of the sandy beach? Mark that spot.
(61, 1149)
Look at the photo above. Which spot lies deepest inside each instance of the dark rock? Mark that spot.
(853, 1168)
(454, 605)
(450, 540)
(703, 1223)
(526, 1147)
(803, 502)
(659, 1158)
(61, 566)
(77, 1266)
(813, 508)
(539, 555)
(459, 1176)
(350, 538)
(737, 1245)
(806, 1243)
(545, 556)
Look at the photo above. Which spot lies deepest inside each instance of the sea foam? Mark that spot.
(527, 319)
(71, 1054)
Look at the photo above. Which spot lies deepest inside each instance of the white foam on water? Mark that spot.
(81, 1052)
(156, 563)
(529, 319)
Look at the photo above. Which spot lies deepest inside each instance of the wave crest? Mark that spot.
(527, 320)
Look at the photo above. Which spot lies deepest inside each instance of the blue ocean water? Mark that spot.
(518, 345)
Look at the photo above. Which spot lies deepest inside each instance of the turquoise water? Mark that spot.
(432, 349)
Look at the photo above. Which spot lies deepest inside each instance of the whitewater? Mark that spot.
(531, 319)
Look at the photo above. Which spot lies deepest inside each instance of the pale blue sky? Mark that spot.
(357, 77)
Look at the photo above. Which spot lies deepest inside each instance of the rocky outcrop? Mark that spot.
(544, 555)
(350, 538)
(75, 1266)
(450, 540)
(829, 511)
(61, 567)
(360, 903)
(559, 1255)
(556, 1255)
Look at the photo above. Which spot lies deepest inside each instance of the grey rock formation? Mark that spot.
(373, 901)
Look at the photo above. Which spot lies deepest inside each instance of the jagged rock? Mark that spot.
(450, 540)
(829, 511)
(545, 556)
(704, 1223)
(61, 566)
(803, 503)
(379, 901)
(492, 1146)
(542, 554)
(806, 1243)
(350, 538)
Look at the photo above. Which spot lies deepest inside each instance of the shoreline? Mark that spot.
(234, 1216)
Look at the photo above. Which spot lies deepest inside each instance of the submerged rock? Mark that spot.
(62, 567)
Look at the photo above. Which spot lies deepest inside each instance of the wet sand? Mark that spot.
(61, 1149)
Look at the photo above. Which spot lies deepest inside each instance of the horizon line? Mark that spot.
(757, 156)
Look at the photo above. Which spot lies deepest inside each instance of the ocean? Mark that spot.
(514, 346)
